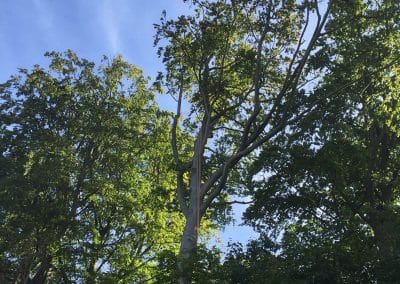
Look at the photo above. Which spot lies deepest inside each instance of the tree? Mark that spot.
(332, 184)
(257, 264)
(86, 187)
(239, 65)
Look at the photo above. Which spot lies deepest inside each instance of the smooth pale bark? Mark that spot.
(41, 274)
(193, 218)
(91, 278)
(187, 249)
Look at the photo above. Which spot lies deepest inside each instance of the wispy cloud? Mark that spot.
(44, 18)
(109, 23)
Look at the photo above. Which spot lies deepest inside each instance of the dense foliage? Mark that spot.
(332, 186)
(293, 105)
(86, 190)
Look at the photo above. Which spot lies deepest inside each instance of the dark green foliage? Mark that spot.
(205, 267)
(331, 186)
(256, 264)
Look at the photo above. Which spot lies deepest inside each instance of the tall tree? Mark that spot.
(239, 65)
(86, 187)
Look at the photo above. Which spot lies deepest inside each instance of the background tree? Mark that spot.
(239, 66)
(86, 190)
(257, 263)
(332, 184)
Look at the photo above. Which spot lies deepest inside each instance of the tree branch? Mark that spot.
(174, 143)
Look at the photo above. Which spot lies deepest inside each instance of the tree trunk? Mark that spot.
(191, 232)
(91, 273)
(187, 249)
(385, 238)
(41, 274)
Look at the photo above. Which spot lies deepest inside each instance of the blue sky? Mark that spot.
(91, 28)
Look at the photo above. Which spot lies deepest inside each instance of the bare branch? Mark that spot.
(222, 172)
(174, 143)
(224, 203)
(316, 34)
(257, 77)
(292, 79)
(300, 43)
